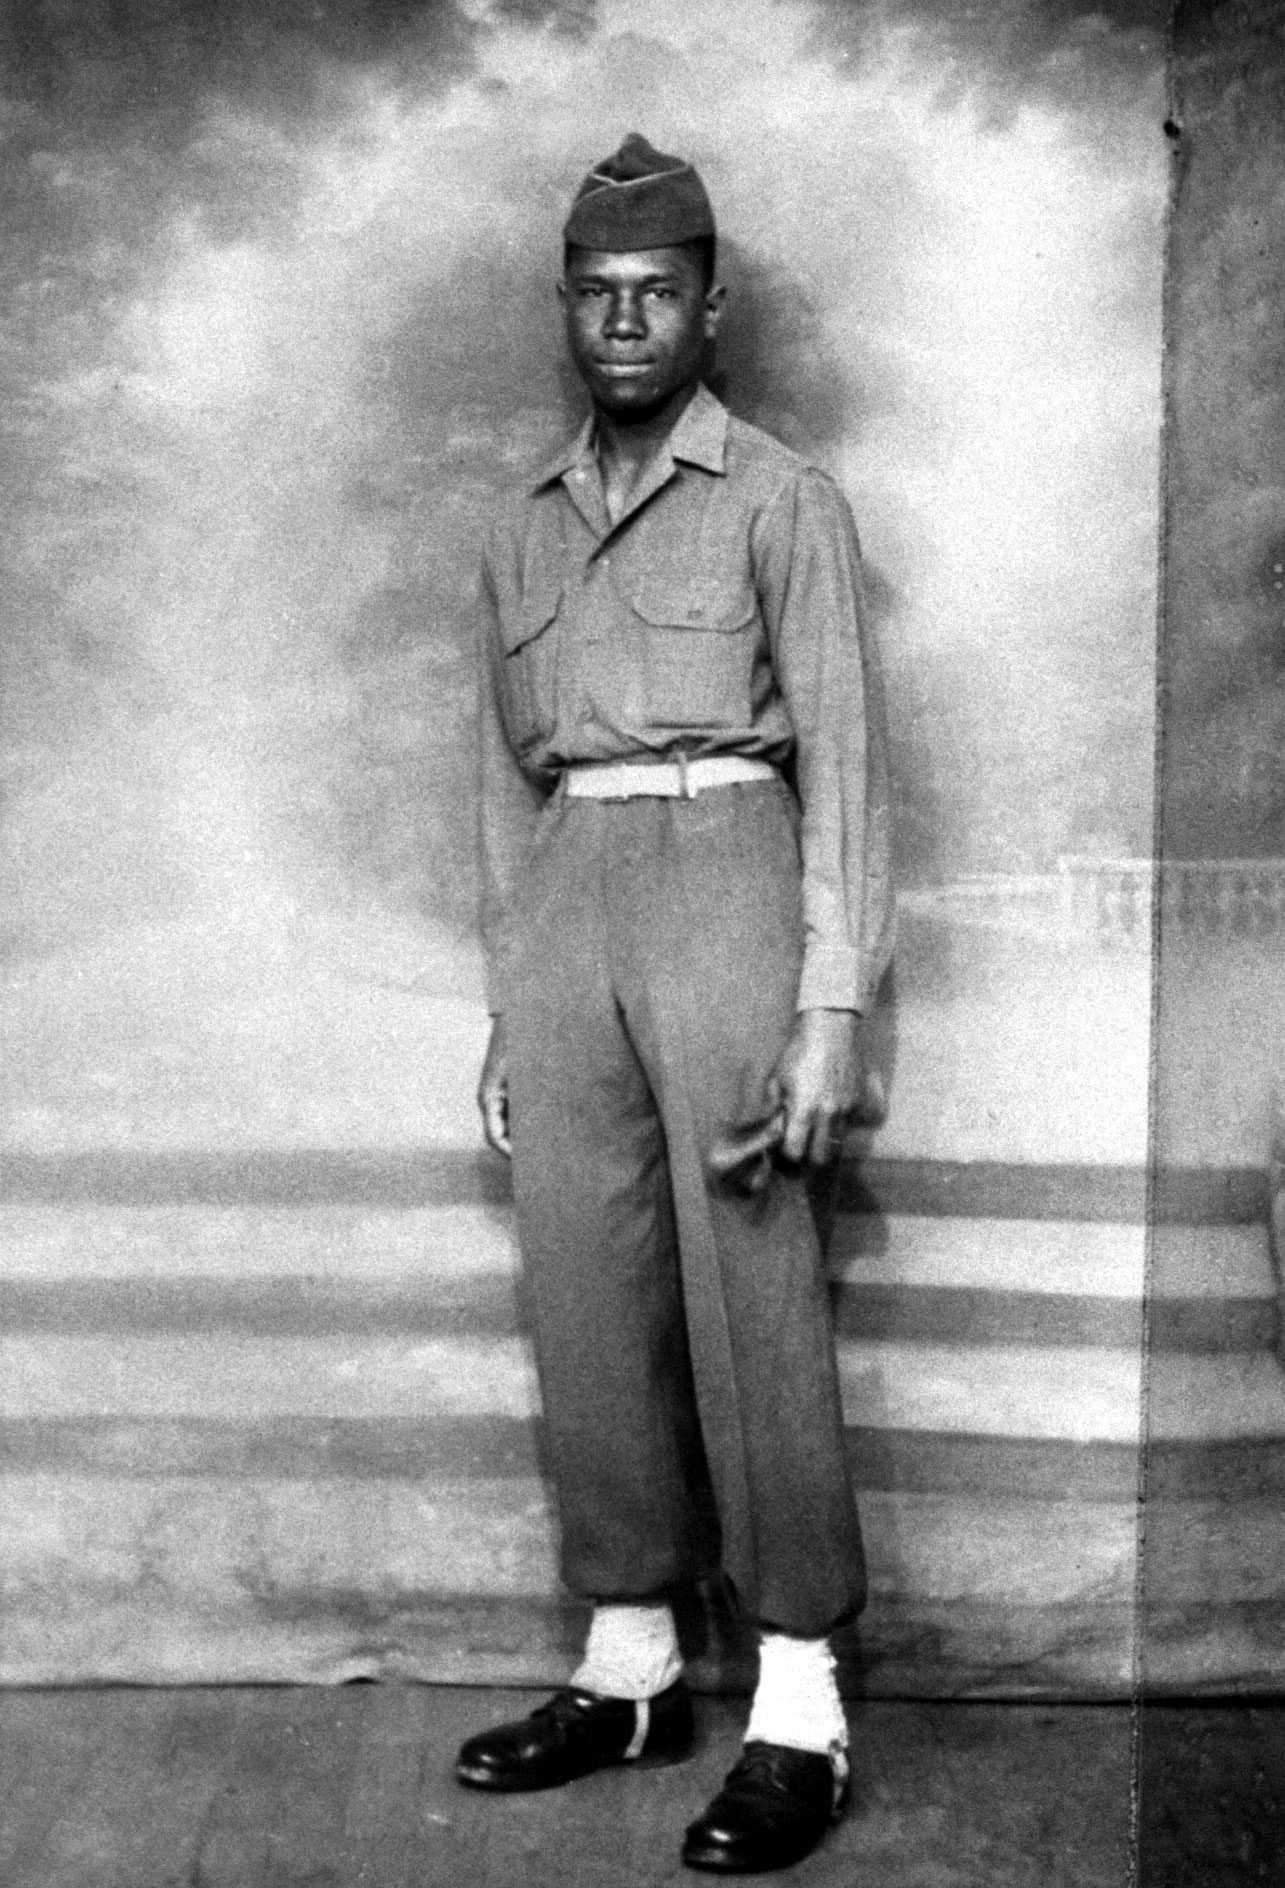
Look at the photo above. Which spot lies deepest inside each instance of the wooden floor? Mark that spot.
(351, 1788)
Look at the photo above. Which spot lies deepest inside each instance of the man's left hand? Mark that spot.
(819, 1079)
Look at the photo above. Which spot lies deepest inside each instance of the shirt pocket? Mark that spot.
(530, 641)
(699, 645)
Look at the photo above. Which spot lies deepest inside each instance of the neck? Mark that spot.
(628, 439)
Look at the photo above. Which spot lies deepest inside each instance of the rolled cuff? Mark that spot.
(835, 979)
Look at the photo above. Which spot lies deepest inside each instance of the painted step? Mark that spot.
(350, 1268)
(921, 1416)
(393, 1174)
(223, 1580)
(157, 1580)
(1054, 1281)
(1083, 1395)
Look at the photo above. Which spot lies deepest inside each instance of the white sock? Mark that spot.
(796, 1701)
(632, 1651)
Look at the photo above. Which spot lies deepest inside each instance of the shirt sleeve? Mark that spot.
(508, 803)
(808, 570)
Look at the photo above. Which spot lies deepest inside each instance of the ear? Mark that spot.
(561, 290)
(715, 300)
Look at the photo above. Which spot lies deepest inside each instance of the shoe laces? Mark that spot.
(566, 1707)
(762, 1763)
(768, 1765)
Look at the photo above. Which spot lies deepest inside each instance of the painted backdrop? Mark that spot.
(280, 320)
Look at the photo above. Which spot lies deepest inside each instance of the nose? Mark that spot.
(625, 317)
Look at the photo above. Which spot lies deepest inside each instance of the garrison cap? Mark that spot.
(639, 198)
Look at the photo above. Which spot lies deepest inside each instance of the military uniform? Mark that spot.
(684, 835)
(649, 955)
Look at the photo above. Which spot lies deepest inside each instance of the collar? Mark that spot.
(700, 432)
(578, 451)
(698, 437)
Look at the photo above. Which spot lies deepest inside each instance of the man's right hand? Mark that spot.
(493, 1091)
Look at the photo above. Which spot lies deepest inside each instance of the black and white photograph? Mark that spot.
(642, 943)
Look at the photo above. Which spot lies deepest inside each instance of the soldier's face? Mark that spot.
(638, 324)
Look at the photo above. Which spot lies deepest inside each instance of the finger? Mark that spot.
(743, 1149)
(821, 1141)
(829, 1133)
(495, 1121)
(836, 1136)
(798, 1133)
(872, 1105)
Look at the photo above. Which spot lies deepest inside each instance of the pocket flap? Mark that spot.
(716, 606)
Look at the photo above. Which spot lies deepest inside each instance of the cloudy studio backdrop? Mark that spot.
(279, 322)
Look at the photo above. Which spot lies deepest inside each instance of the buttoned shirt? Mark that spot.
(722, 613)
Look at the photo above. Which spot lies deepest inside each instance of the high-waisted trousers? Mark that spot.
(682, 1330)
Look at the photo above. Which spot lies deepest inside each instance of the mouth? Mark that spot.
(623, 368)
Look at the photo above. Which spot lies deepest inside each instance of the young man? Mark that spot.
(687, 911)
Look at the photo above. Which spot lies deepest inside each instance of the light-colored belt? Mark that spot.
(678, 779)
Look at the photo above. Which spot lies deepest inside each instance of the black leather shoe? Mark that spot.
(774, 1808)
(576, 1732)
